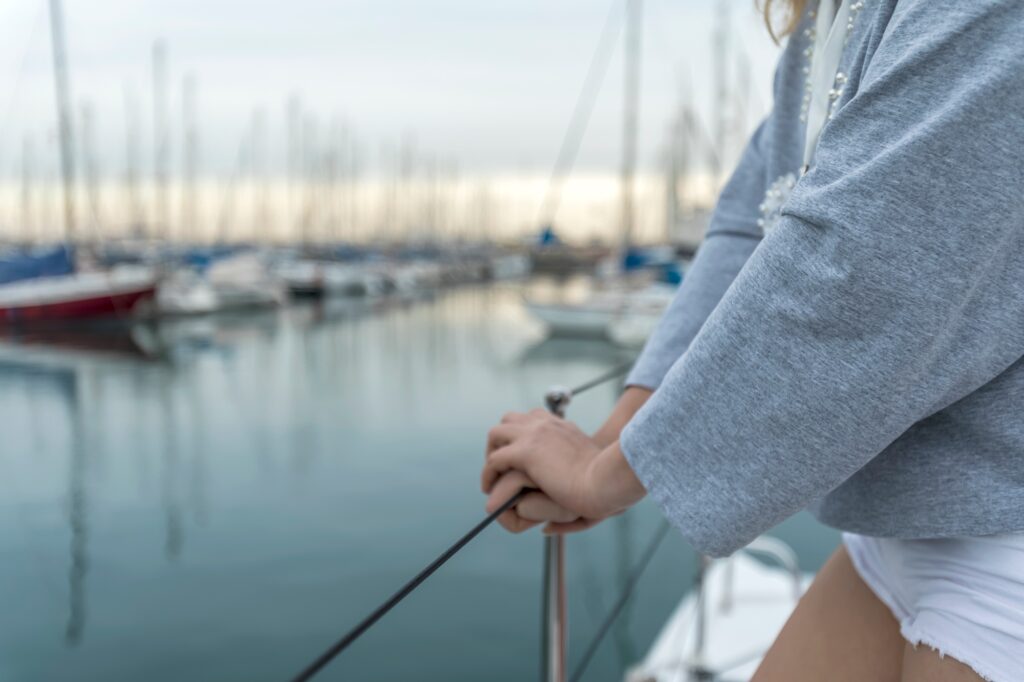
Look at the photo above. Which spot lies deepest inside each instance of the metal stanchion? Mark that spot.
(697, 668)
(555, 613)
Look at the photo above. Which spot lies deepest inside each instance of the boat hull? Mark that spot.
(573, 321)
(86, 308)
(76, 297)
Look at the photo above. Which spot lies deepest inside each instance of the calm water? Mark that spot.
(225, 511)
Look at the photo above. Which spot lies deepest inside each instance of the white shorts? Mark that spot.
(964, 597)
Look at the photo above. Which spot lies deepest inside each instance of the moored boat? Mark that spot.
(303, 278)
(314, 279)
(243, 281)
(122, 291)
(606, 314)
(589, 319)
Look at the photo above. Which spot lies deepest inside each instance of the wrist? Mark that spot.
(610, 485)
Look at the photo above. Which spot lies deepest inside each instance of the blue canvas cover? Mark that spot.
(47, 261)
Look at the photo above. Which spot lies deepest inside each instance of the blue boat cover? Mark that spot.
(547, 237)
(49, 261)
(202, 257)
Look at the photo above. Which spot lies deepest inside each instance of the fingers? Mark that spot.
(520, 417)
(539, 507)
(502, 435)
(507, 486)
(511, 446)
(513, 523)
(514, 425)
(499, 461)
(534, 508)
(556, 528)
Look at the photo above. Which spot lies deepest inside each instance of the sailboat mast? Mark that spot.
(131, 163)
(260, 177)
(721, 75)
(631, 106)
(190, 162)
(293, 114)
(27, 198)
(90, 169)
(63, 91)
(160, 141)
(672, 180)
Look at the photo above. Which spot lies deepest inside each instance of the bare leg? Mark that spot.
(839, 632)
(923, 664)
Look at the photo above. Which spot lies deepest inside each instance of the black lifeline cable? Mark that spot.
(354, 634)
(627, 591)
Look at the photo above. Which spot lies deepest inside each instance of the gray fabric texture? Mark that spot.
(864, 358)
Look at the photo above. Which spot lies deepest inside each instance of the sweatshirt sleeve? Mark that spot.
(731, 237)
(892, 287)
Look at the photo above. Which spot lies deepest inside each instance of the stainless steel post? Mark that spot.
(555, 613)
(697, 669)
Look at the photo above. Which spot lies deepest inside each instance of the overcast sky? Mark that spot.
(490, 83)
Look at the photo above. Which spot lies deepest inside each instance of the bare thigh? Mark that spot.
(839, 632)
(923, 664)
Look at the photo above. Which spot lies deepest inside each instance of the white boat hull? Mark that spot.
(573, 320)
(629, 315)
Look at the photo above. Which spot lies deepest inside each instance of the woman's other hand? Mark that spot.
(629, 403)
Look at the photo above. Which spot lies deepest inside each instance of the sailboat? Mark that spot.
(621, 296)
(220, 281)
(121, 292)
(49, 285)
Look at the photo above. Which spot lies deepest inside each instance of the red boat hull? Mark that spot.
(120, 304)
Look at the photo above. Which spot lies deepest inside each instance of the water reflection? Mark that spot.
(224, 495)
(624, 560)
(77, 512)
(174, 537)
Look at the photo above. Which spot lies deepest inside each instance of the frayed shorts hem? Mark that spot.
(869, 566)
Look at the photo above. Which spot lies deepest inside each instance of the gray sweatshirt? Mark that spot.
(852, 340)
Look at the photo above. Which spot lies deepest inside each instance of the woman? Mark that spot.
(849, 338)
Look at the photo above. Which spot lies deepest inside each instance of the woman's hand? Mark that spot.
(532, 509)
(578, 483)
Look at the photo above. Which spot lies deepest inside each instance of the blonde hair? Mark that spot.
(782, 16)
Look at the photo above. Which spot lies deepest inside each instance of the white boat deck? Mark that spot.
(747, 603)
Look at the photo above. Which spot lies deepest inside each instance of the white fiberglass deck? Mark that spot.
(747, 604)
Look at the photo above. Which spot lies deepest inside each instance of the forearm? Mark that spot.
(632, 399)
(611, 483)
